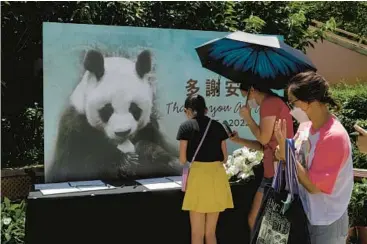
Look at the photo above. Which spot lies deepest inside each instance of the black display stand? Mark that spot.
(129, 214)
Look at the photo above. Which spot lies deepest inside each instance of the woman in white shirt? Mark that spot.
(324, 158)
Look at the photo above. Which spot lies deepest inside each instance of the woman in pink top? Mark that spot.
(324, 158)
(272, 107)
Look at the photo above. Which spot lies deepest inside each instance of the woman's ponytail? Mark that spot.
(329, 100)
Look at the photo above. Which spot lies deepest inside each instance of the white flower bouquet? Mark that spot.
(240, 164)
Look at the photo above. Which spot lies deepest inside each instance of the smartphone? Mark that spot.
(356, 133)
(227, 127)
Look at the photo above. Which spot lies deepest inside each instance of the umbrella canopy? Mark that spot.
(250, 58)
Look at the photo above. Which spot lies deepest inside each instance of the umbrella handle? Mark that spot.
(247, 99)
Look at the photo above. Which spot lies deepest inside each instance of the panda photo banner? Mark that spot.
(113, 99)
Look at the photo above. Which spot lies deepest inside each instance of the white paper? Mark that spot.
(76, 186)
(153, 180)
(59, 191)
(176, 179)
(62, 185)
(87, 183)
(158, 183)
(160, 186)
(95, 188)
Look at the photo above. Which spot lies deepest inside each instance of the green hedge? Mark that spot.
(356, 208)
(12, 221)
(353, 101)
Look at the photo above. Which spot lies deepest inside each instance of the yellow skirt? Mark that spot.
(207, 189)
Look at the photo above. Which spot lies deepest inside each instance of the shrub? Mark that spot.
(12, 221)
(353, 102)
(23, 134)
(357, 206)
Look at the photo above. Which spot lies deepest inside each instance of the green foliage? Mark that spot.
(349, 16)
(281, 18)
(353, 100)
(22, 81)
(357, 206)
(254, 24)
(23, 137)
(12, 222)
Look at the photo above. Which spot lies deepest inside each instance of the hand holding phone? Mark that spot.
(361, 139)
(356, 133)
(359, 130)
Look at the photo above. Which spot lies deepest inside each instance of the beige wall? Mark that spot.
(336, 63)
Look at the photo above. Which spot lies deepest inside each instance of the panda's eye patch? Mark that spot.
(135, 111)
(106, 112)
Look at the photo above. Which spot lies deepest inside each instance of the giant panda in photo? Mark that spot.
(110, 128)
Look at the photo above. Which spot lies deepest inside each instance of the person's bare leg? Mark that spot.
(211, 221)
(197, 221)
(256, 204)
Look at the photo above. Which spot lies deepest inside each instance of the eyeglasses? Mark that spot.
(291, 103)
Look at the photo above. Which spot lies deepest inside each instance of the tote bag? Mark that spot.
(186, 169)
(281, 218)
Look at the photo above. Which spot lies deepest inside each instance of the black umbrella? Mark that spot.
(250, 58)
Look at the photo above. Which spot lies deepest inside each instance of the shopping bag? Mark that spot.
(281, 218)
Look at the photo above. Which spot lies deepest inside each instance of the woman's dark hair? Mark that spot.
(310, 86)
(263, 89)
(197, 104)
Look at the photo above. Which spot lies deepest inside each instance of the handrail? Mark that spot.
(360, 173)
(348, 43)
(360, 38)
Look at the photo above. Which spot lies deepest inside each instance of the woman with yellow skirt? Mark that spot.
(207, 191)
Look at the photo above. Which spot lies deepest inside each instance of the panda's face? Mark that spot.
(115, 95)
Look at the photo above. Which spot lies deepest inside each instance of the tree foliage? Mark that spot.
(349, 16)
(353, 100)
(22, 78)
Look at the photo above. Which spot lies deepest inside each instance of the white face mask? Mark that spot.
(299, 115)
(252, 103)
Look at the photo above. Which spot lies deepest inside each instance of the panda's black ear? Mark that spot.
(144, 63)
(94, 63)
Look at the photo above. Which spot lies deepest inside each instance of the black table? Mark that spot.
(129, 214)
